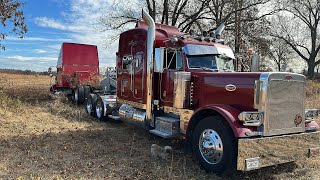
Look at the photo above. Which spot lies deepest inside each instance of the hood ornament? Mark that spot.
(298, 120)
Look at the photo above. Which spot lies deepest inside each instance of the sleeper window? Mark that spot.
(173, 59)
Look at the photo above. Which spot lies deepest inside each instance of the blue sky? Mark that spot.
(51, 22)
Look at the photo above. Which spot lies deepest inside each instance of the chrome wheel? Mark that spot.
(210, 146)
(99, 110)
(89, 106)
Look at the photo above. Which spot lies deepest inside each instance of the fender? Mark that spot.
(229, 113)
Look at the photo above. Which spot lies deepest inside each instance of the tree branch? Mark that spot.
(292, 46)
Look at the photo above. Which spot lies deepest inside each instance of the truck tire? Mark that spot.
(90, 104)
(214, 145)
(79, 95)
(87, 91)
(100, 109)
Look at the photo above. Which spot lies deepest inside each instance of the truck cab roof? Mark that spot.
(165, 32)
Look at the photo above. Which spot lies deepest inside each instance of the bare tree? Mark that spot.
(183, 14)
(243, 18)
(11, 19)
(198, 15)
(301, 30)
(279, 52)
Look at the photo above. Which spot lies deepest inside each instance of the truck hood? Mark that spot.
(231, 88)
(224, 78)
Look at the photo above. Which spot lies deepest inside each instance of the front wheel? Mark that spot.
(214, 145)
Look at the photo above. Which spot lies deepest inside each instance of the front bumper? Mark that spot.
(267, 151)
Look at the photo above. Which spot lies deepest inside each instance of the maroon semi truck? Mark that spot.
(77, 70)
(179, 85)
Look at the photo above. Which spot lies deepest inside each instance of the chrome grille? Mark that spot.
(285, 103)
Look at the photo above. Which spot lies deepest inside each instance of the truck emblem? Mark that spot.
(231, 87)
(298, 120)
(288, 77)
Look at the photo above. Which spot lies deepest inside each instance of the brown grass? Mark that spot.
(313, 94)
(49, 138)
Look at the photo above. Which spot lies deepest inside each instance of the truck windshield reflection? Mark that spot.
(210, 62)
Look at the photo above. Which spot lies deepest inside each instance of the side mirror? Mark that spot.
(159, 60)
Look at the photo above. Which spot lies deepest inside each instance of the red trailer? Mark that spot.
(77, 70)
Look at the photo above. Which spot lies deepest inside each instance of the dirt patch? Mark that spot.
(50, 138)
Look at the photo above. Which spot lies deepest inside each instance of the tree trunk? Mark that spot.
(311, 71)
(237, 38)
(165, 13)
(279, 67)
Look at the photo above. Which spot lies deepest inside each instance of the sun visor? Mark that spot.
(194, 49)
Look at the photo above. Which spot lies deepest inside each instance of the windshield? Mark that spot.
(214, 62)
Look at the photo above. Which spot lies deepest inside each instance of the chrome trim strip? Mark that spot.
(257, 94)
(131, 103)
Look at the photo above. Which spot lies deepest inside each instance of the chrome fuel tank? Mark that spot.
(133, 115)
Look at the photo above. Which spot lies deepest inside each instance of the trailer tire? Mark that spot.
(100, 109)
(51, 89)
(79, 95)
(214, 145)
(90, 104)
(87, 91)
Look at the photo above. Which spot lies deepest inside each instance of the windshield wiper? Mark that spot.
(228, 70)
(205, 68)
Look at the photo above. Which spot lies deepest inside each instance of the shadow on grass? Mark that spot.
(117, 151)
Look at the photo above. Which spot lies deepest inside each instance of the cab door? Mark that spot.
(172, 63)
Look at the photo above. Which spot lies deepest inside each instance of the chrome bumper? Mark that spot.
(267, 151)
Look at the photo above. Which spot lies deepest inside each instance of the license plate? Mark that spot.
(252, 163)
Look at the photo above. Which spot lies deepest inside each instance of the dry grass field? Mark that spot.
(45, 137)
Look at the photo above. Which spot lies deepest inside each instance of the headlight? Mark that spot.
(251, 118)
(311, 114)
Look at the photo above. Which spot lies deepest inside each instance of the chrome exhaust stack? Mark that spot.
(219, 30)
(150, 47)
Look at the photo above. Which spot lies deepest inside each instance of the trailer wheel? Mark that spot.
(100, 109)
(90, 104)
(79, 95)
(87, 91)
(214, 145)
